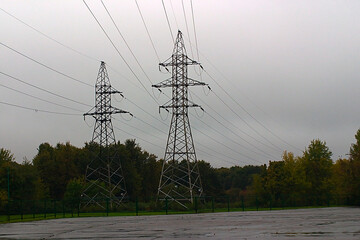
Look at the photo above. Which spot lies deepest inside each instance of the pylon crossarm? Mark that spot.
(166, 62)
(163, 84)
(192, 82)
(112, 91)
(186, 60)
(114, 111)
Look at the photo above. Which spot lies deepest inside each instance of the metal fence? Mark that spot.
(27, 210)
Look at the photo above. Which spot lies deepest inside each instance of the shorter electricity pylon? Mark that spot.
(104, 175)
(180, 178)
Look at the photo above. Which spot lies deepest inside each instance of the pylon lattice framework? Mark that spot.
(180, 179)
(104, 176)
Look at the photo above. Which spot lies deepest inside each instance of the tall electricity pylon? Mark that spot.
(180, 179)
(104, 176)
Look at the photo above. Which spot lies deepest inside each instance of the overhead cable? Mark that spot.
(127, 45)
(147, 30)
(41, 99)
(42, 89)
(229, 122)
(117, 50)
(167, 19)
(39, 110)
(46, 66)
(47, 36)
(187, 28)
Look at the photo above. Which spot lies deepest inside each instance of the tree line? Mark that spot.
(58, 172)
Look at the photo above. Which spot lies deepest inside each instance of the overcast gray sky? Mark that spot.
(288, 71)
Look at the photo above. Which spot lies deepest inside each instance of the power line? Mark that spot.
(59, 71)
(139, 138)
(247, 124)
(271, 132)
(222, 160)
(70, 48)
(150, 125)
(199, 144)
(187, 28)
(48, 37)
(46, 66)
(117, 50)
(196, 41)
(226, 146)
(246, 111)
(147, 133)
(147, 30)
(173, 11)
(229, 122)
(42, 89)
(167, 19)
(39, 110)
(145, 111)
(127, 45)
(219, 154)
(237, 103)
(222, 134)
(44, 100)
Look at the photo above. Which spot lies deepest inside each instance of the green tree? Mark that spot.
(275, 179)
(354, 170)
(317, 164)
(295, 184)
(6, 156)
(355, 148)
(74, 188)
(57, 166)
(342, 179)
(7, 164)
(210, 180)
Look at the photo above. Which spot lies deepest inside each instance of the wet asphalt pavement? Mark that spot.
(320, 223)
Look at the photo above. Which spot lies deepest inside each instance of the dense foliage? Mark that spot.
(57, 172)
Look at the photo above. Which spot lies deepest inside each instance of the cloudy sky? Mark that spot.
(281, 72)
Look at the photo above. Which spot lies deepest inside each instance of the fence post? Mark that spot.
(63, 208)
(55, 208)
(137, 206)
(78, 209)
(107, 206)
(33, 208)
(196, 205)
(228, 203)
(270, 203)
(8, 210)
(242, 203)
(257, 203)
(166, 205)
(45, 208)
(212, 204)
(21, 210)
(8, 183)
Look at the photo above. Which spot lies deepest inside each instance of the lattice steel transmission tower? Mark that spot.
(180, 179)
(104, 176)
